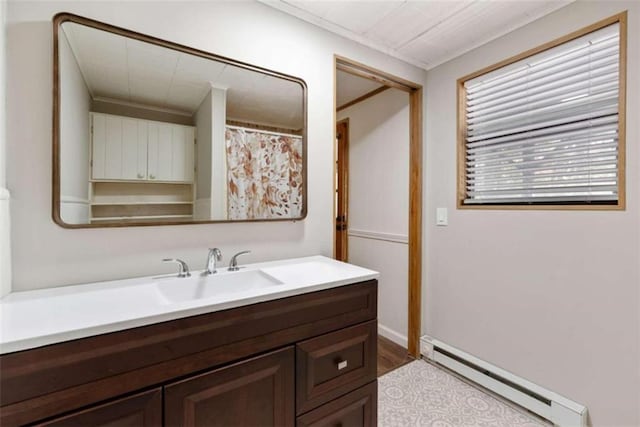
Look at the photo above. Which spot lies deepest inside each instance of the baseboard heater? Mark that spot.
(545, 403)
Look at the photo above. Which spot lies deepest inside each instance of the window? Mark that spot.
(547, 127)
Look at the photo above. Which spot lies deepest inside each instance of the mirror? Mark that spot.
(148, 132)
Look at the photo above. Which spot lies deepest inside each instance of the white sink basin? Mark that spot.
(47, 316)
(176, 290)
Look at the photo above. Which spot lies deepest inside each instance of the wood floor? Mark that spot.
(390, 355)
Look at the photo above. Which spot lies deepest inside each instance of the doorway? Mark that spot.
(342, 191)
(414, 211)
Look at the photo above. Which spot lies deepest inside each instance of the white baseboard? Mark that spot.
(75, 210)
(394, 336)
(546, 403)
(74, 200)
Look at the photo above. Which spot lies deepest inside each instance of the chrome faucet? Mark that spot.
(233, 264)
(184, 268)
(214, 255)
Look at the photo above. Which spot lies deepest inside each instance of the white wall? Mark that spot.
(74, 138)
(3, 55)
(247, 31)
(211, 158)
(219, 154)
(379, 200)
(203, 122)
(553, 296)
(5, 249)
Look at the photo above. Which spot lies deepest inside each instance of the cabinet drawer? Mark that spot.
(356, 409)
(331, 365)
(140, 410)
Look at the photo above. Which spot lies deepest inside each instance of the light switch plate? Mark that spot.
(441, 216)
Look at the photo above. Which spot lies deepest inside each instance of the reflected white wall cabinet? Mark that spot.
(141, 150)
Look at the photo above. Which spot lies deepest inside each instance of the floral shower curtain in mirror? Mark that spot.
(264, 174)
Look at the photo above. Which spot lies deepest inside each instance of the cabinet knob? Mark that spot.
(140, 176)
(342, 364)
(152, 176)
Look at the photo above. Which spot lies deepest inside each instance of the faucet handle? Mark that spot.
(233, 264)
(184, 268)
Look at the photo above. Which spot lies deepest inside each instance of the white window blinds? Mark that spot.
(545, 129)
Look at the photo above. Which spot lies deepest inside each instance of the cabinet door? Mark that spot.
(119, 148)
(134, 149)
(107, 147)
(98, 141)
(160, 152)
(256, 392)
(170, 152)
(139, 410)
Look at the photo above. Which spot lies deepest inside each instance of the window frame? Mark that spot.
(621, 19)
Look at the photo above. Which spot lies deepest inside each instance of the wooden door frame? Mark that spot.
(414, 303)
(345, 190)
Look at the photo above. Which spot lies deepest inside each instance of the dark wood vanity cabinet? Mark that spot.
(256, 392)
(142, 409)
(303, 360)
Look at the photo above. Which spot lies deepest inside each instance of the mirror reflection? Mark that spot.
(151, 134)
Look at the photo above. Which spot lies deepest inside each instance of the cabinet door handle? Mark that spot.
(342, 364)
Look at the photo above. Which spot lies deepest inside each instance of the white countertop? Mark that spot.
(36, 318)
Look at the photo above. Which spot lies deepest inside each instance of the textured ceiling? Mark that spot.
(424, 33)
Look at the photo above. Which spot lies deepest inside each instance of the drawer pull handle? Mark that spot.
(342, 364)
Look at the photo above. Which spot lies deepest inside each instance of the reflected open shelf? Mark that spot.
(177, 202)
(139, 217)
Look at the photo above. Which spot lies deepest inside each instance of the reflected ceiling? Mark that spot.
(145, 74)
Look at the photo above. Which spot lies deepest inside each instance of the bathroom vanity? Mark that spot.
(214, 139)
(298, 351)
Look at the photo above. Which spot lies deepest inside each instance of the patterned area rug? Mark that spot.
(420, 394)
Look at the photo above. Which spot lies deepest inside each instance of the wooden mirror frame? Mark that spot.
(63, 17)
